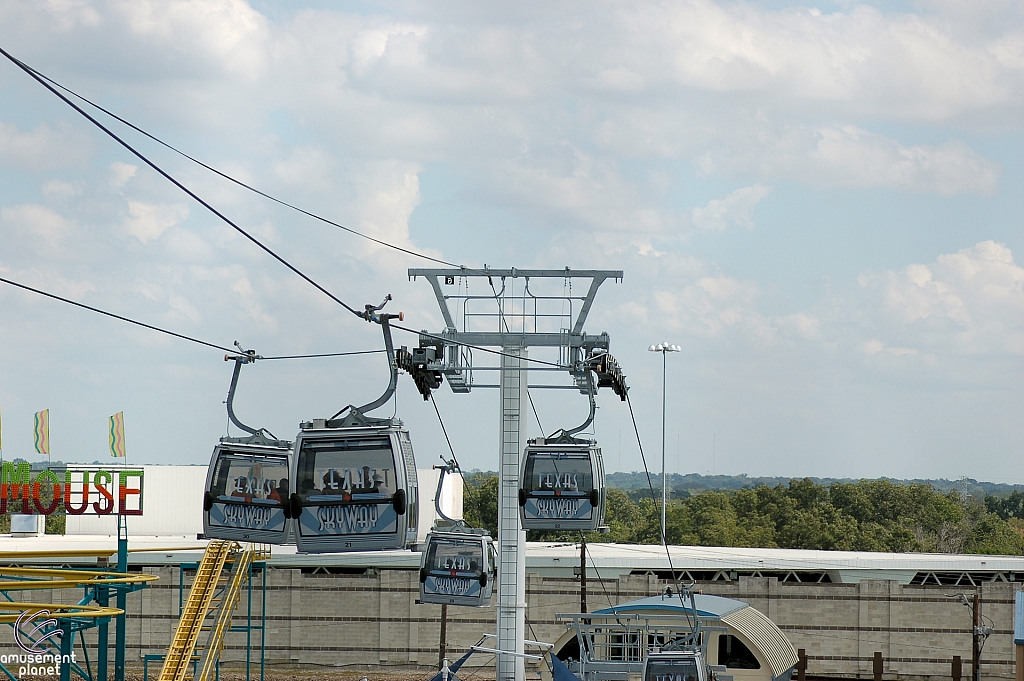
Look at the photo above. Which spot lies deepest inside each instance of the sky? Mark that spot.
(819, 203)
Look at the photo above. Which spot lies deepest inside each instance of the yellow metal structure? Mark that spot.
(200, 599)
(228, 603)
(45, 579)
(203, 599)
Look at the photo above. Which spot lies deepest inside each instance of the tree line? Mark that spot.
(867, 515)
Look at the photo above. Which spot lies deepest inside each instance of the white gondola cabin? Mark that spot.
(355, 486)
(562, 485)
(458, 568)
(247, 491)
(247, 482)
(683, 665)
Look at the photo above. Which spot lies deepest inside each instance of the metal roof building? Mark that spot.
(735, 637)
(605, 561)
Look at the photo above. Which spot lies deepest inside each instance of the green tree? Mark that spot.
(1010, 506)
(623, 516)
(709, 519)
(480, 501)
(868, 515)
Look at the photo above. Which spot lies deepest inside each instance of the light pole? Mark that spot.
(663, 348)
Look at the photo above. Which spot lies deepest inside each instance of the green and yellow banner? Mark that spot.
(117, 435)
(42, 431)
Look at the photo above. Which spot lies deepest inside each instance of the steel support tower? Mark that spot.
(513, 321)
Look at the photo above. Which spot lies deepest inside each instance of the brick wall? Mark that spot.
(373, 619)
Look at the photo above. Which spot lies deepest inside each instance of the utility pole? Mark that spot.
(442, 648)
(583, 572)
(979, 632)
(525, 318)
(978, 640)
(664, 477)
(664, 349)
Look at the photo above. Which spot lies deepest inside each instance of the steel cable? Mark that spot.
(179, 185)
(225, 175)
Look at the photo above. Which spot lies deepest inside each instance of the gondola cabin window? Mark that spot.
(456, 559)
(347, 471)
(677, 669)
(734, 653)
(557, 473)
(249, 479)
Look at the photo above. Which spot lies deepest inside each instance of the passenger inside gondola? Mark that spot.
(244, 477)
(333, 482)
(347, 469)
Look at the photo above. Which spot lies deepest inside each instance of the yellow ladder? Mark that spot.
(200, 598)
(228, 603)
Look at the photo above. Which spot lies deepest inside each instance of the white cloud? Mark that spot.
(120, 173)
(228, 33)
(850, 157)
(875, 346)
(971, 301)
(911, 66)
(180, 305)
(737, 208)
(43, 148)
(147, 221)
(307, 166)
(387, 192)
(43, 222)
(547, 134)
(690, 298)
(62, 191)
(69, 14)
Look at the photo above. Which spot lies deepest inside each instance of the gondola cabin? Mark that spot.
(562, 486)
(355, 488)
(247, 490)
(685, 665)
(458, 568)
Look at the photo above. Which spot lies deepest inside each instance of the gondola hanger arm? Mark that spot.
(372, 313)
(448, 467)
(243, 357)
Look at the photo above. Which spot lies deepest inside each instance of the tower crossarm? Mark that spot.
(442, 276)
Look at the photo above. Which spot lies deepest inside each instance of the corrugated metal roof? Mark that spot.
(745, 620)
(718, 558)
(707, 605)
(607, 560)
(763, 633)
(612, 559)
